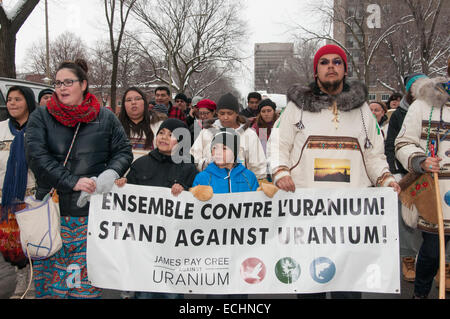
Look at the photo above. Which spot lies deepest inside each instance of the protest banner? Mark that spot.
(314, 240)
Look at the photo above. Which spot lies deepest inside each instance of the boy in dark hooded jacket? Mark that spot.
(158, 168)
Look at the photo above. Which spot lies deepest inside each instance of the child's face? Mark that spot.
(222, 155)
(228, 118)
(165, 142)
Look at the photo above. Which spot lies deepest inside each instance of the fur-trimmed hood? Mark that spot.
(311, 99)
(429, 90)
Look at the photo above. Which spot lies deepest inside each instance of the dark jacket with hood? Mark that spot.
(157, 169)
(100, 145)
(395, 124)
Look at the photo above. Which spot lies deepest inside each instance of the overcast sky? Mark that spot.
(268, 21)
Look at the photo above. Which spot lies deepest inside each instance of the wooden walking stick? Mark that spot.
(441, 232)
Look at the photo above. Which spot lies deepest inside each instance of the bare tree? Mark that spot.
(422, 46)
(188, 37)
(413, 34)
(128, 68)
(66, 47)
(365, 42)
(116, 9)
(298, 69)
(426, 16)
(10, 23)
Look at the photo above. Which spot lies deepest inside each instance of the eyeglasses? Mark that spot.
(136, 99)
(66, 83)
(204, 113)
(336, 62)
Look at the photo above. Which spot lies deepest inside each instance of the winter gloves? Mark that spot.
(104, 181)
(205, 193)
(202, 192)
(268, 188)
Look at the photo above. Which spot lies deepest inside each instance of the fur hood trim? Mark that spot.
(427, 90)
(311, 99)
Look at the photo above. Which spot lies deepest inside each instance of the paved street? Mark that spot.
(7, 285)
(407, 289)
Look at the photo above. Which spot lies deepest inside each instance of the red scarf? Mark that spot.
(72, 115)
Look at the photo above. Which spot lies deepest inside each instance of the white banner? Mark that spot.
(315, 240)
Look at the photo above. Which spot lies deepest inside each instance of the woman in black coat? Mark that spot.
(101, 149)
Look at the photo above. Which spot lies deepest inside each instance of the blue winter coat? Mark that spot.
(239, 179)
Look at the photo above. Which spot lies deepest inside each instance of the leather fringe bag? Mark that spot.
(417, 189)
(40, 223)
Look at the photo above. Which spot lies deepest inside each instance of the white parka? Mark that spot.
(251, 153)
(411, 141)
(321, 150)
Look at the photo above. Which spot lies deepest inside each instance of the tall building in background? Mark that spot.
(268, 58)
(357, 12)
(357, 9)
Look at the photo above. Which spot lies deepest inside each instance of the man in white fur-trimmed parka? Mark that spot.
(426, 127)
(327, 136)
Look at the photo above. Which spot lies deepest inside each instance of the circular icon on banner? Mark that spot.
(253, 270)
(322, 270)
(447, 198)
(287, 270)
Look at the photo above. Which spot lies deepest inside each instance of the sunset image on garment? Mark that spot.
(331, 170)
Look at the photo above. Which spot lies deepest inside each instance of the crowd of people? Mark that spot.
(221, 146)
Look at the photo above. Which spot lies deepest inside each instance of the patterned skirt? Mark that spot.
(64, 275)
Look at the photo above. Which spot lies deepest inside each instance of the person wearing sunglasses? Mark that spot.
(327, 137)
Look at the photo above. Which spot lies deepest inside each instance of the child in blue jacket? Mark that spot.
(224, 175)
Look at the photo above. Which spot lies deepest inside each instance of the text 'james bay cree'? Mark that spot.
(227, 308)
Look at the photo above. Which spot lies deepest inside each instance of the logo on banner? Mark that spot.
(447, 198)
(287, 270)
(322, 270)
(253, 270)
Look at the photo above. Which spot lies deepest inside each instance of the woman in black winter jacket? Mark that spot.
(101, 149)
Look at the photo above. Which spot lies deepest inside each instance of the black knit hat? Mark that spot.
(172, 125)
(229, 102)
(28, 95)
(44, 92)
(181, 96)
(229, 138)
(267, 102)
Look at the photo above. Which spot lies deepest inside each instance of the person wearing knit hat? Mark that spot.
(250, 152)
(45, 96)
(203, 112)
(181, 101)
(409, 80)
(324, 125)
(408, 237)
(263, 123)
(228, 102)
(224, 174)
(159, 168)
(230, 139)
(207, 104)
(330, 69)
(267, 102)
(422, 147)
(175, 127)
